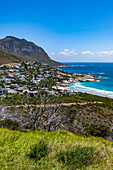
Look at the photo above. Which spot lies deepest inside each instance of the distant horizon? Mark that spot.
(85, 62)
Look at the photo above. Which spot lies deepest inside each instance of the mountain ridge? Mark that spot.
(26, 49)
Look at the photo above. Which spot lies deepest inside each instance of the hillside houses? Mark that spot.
(25, 78)
(30, 76)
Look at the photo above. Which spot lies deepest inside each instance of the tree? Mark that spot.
(48, 115)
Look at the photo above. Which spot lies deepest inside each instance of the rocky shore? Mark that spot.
(73, 78)
(79, 78)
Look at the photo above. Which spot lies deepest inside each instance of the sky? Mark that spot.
(68, 30)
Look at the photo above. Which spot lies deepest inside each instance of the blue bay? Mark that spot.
(104, 73)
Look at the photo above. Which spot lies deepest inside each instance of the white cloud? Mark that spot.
(105, 52)
(98, 53)
(87, 52)
(67, 52)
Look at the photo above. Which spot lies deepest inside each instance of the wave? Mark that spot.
(100, 73)
(78, 87)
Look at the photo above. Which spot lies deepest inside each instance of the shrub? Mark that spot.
(38, 150)
(76, 157)
(97, 130)
(10, 124)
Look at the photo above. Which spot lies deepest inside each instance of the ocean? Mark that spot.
(104, 72)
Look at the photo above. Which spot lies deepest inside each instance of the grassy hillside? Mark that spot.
(6, 58)
(58, 150)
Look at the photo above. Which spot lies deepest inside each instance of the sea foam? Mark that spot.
(78, 87)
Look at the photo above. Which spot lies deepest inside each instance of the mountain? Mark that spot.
(25, 49)
(6, 58)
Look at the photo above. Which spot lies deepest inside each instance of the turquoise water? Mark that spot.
(104, 73)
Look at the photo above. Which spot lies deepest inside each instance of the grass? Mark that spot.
(15, 148)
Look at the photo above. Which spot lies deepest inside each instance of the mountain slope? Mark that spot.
(6, 58)
(25, 49)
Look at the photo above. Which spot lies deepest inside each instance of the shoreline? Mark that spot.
(79, 78)
(88, 90)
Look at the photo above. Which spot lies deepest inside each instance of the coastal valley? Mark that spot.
(31, 87)
(38, 114)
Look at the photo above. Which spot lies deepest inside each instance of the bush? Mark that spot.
(76, 157)
(10, 124)
(97, 130)
(39, 150)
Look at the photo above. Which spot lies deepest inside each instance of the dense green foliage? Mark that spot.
(97, 130)
(10, 124)
(84, 97)
(38, 150)
(66, 98)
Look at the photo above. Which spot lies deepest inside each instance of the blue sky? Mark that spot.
(68, 30)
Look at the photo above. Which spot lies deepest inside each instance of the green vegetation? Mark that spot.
(10, 124)
(84, 97)
(38, 150)
(84, 116)
(39, 105)
(76, 156)
(22, 99)
(97, 130)
(67, 151)
(66, 98)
